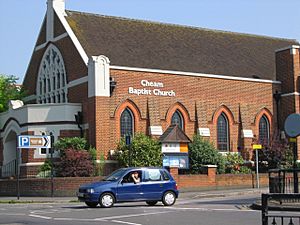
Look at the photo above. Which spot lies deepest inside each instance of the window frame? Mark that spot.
(227, 143)
(52, 78)
(181, 122)
(267, 123)
(132, 122)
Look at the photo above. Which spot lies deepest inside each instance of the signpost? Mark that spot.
(257, 147)
(292, 128)
(128, 143)
(30, 141)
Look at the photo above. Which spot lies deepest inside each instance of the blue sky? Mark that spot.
(20, 20)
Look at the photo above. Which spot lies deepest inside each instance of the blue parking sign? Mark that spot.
(23, 141)
(34, 141)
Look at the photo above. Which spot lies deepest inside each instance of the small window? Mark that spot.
(43, 151)
(128, 177)
(264, 130)
(223, 133)
(152, 175)
(126, 122)
(177, 119)
(165, 175)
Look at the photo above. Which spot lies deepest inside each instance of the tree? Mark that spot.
(143, 151)
(9, 90)
(75, 143)
(76, 163)
(76, 158)
(276, 153)
(202, 152)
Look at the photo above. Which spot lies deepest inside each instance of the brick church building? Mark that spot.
(121, 76)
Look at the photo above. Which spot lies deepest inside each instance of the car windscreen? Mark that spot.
(115, 175)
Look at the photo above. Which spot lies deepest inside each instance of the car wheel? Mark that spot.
(169, 198)
(107, 200)
(91, 204)
(151, 203)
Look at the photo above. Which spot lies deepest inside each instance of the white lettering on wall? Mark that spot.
(147, 83)
(146, 91)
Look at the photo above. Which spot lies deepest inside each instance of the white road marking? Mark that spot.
(124, 222)
(12, 214)
(207, 209)
(72, 219)
(130, 215)
(42, 217)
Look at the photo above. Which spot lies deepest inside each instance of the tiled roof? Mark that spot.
(142, 44)
(174, 135)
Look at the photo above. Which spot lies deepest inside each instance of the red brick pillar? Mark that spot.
(174, 173)
(211, 171)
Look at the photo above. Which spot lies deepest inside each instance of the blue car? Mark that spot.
(131, 184)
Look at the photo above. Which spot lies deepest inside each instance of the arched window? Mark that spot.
(51, 77)
(177, 119)
(127, 122)
(264, 129)
(223, 133)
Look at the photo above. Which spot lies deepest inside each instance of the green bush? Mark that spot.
(202, 152)
(46, 166)
(77, 158)
(45, 169)
(143, 151)
(75, 143)
(233, 162)
(245, 170)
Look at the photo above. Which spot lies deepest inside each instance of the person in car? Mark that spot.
(135, 177)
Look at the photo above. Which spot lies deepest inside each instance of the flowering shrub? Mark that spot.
(75, 163)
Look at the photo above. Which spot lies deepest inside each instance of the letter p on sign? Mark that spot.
(23, 141)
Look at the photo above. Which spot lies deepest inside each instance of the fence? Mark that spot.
(282, 180)
(9, 169)
(281, 209)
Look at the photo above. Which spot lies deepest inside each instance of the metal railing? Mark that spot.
(282, 180)
(281, 213)
(9, 169)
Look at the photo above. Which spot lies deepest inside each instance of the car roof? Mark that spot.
(142, 168)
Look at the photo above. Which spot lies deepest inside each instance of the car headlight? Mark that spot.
(90, 190)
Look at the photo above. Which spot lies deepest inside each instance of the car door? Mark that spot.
(127, 190)
(153, 185)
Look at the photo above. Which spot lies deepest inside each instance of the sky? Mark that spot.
(20, 20)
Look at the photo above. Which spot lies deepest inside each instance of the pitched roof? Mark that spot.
(174, 135)
(136, 43)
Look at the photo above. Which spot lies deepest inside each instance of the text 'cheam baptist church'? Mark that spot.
(147, 91)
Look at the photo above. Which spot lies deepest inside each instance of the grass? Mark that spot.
(31, 201)
(15, 202)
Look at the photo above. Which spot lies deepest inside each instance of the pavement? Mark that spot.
(183, 195)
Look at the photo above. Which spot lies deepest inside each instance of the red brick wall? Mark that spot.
(218, 95)
(42, 187)
(69, 185)
(42, 34)
(241, 180)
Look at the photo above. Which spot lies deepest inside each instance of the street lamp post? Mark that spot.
(296, 187)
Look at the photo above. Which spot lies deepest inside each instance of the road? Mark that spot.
(215, 211)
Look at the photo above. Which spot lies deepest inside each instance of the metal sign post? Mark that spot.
(292, 128)
(29, 141)
(257, 147)
(52, 172)
(18, 172)
(128, 143)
